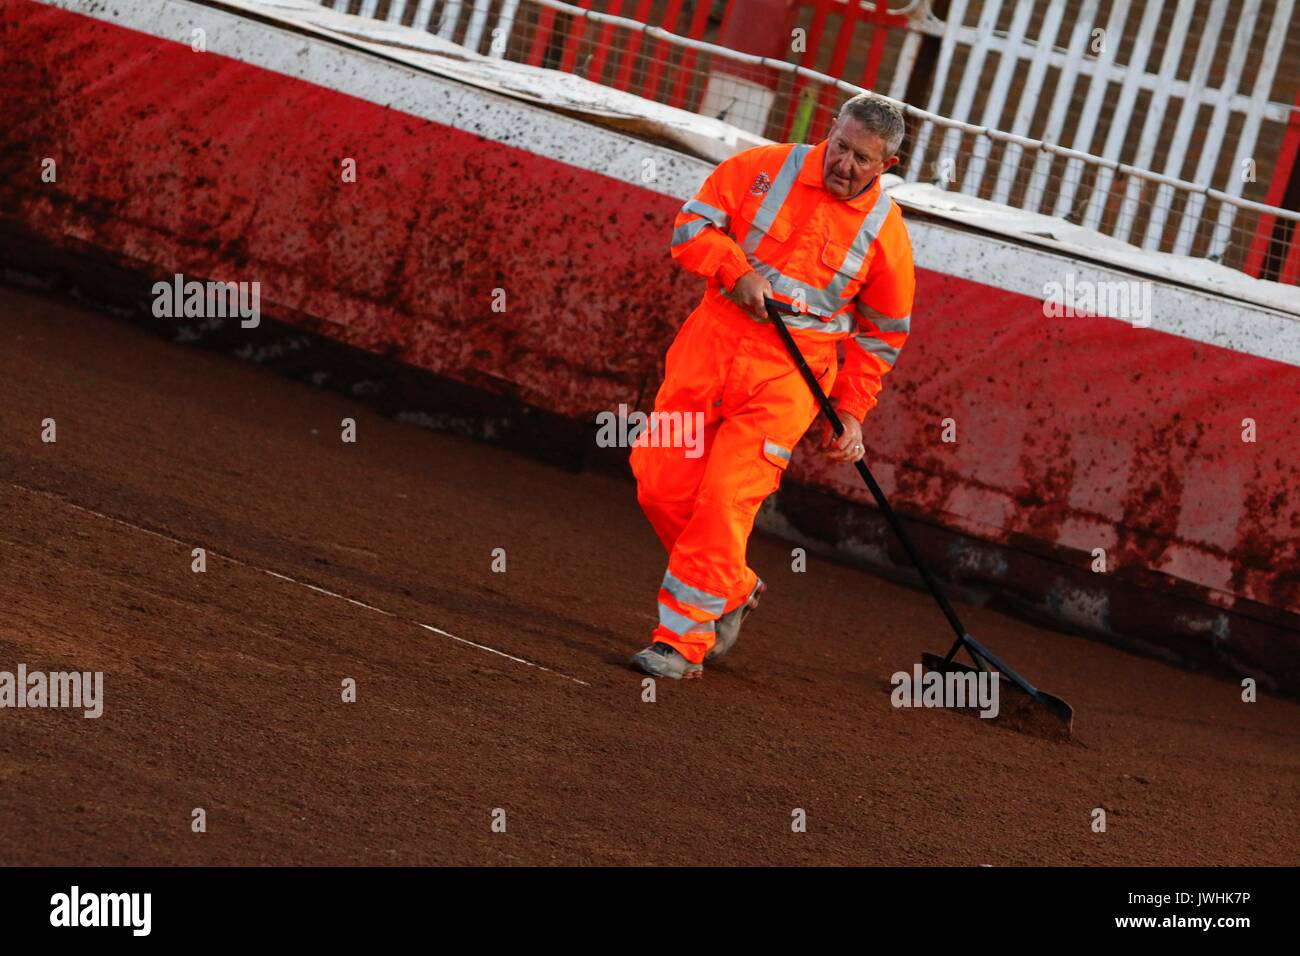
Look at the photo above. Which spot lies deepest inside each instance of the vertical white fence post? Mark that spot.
(1250, 129)
(1028, 101)
(997, 95)
(1065, 84)
(1121, 122)
(1205, 53)
(946, 47)
(1082, 139)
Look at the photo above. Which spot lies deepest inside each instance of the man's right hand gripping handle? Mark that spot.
(749, 292)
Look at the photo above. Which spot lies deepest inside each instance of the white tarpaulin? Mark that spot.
(707, 138)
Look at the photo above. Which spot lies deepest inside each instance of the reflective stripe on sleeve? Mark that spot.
(883, 323)
(711, 213)
(873, 346)
(688, 231)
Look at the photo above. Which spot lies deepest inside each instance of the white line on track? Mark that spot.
(303, 584)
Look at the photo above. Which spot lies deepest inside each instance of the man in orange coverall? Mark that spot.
(809, 225)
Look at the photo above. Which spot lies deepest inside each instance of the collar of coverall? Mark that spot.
(811, 174)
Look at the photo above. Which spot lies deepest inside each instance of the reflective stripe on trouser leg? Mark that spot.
(712, 545)
(684, 627)
(686, 618)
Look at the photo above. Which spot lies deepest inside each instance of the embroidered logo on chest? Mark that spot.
(762, 183)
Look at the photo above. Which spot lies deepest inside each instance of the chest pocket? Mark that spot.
(842, 260)
(777, 231)
(846, 268)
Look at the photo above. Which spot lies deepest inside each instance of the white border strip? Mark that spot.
(284, 577)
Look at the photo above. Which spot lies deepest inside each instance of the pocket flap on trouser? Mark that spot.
(776, 453)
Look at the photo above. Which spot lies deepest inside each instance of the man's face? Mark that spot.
(853, 156)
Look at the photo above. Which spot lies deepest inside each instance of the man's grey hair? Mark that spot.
(879, 116)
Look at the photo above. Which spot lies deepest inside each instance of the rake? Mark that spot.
(1036, 711)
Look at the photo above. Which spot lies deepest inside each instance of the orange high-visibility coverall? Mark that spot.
(848, 264)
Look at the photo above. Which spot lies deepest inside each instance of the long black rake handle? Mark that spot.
(977, 650)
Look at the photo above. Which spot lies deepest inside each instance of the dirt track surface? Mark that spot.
(223, 689)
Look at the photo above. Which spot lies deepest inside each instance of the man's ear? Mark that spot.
(891, 162)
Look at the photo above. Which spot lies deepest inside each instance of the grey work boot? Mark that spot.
(727, 630)
(664, 660)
